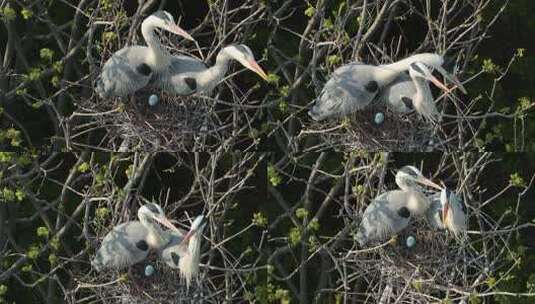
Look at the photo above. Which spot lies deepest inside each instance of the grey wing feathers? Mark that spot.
(120, 75)
(347, 91)
(170, 253)
(433, 214)
(392, 95)
(181, 77)
(118, 249)
(381, 219)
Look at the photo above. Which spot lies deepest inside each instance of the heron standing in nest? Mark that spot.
(390, 212)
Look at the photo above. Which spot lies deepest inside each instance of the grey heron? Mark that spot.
(131, 68)
(188, 75)
(353, 86)
(129, 243)
(183, 250)
(390, 212)
(406, 94)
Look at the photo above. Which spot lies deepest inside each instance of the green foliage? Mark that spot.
(3, 290)
(33, 74)
(314, 225)
(260, 220)
(20, 195)
(46, 54)
(474, 299)
(6, 157)
(294, 236)
(301, 213)
(33, 252)
(102, 213)
(489, 66)
(7, 195)
(83, 167)
(273, 78)
(273, 176)
(55, 244)
(309, 12)
(517, 180)
(270, 293)
(8, 13)
(53, 259)
(43, 232)
(283, 106)
(26, 13)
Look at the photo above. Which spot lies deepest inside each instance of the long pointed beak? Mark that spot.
(253, 66)
(451, 78)
(437, 82)
(179, 31)
(429, 183)
(164, 221)
(445, 211)
(197, 224)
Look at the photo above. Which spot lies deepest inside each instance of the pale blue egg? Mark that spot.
(411, 241)
(149, 270)
(153, 100)
(379, 118)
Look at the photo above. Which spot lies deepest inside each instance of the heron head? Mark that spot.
(420, 70)
(410, 175)
(245, 57)
(165, 20)
(153, 212)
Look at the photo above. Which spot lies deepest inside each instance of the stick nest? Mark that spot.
(359, 131)
(425, 273)
(163, 286)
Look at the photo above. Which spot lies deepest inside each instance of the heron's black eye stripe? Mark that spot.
(415, 67)
(142, 245)
(372, 86)
(175, 258)
(408, 102)
(162, 15)
(242, 48)
(153, 208)
(410, 172)
(404, 212)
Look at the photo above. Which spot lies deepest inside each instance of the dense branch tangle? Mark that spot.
(99, 191)
(320, 253)
(61, 81)
(378, 32)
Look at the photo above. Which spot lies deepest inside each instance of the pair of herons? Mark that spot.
(391, 212)
(131, 242)
(135, 67)
(354, 86)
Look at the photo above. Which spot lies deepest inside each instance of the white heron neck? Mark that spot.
(427, 58)
(158, 57)
(156, 237)
(211, 77)
(423, 92)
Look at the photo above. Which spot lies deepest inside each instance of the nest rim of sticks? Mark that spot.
(360, 131)
(438, 261)
(163, 286)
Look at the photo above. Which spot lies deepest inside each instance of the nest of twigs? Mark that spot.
(425, 272)
(360, 131)
(134, 286)
(174, 123)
